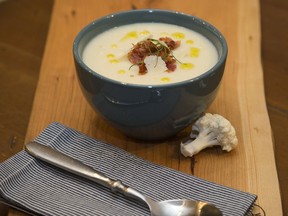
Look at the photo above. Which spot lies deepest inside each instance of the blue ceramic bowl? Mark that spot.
(149, 112)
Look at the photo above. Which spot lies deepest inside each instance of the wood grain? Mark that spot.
(21, 22)
(274, 55)
(241, 98)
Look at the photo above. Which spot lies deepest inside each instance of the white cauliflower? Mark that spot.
(155, 64)
(213, 129)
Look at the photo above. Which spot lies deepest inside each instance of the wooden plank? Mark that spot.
(274, 58)
(251, 167)
(20, 59)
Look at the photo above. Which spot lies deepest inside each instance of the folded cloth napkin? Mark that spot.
(42, 189)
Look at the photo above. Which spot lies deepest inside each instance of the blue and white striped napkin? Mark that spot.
(39, 188)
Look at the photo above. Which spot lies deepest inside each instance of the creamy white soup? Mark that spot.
(141, 54)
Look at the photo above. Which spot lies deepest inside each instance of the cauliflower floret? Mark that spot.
(155, 64)
(213, 129)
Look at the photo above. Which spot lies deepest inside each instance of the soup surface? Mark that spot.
(108, 54)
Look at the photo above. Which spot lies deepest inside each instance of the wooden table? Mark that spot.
(251, 167)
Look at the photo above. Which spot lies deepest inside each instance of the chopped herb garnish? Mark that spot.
(162, 48)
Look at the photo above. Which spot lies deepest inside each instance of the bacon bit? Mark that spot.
(170, 42)
(142, 68)
(154, 47)
(170, 64)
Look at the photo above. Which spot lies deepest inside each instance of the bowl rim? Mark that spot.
(208, 26)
